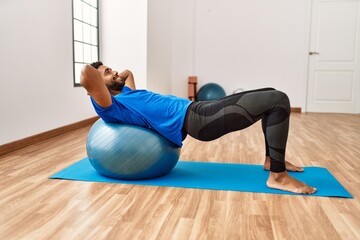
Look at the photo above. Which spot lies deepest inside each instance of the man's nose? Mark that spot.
(115, 75)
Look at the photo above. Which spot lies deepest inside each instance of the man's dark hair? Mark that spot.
(96, 64)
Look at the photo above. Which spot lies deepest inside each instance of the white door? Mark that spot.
(334, 57)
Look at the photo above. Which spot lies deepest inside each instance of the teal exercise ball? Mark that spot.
(130, 152)
(210, 91)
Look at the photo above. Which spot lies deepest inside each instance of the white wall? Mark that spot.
(136, 35)
(159, 46)
(36, 75)
(236, 43)
(123, 37)
(183, 45)
(242, 44)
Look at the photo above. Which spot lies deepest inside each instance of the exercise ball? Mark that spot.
(210, 91)
(129, 152)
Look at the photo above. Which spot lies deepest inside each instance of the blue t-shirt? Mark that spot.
(162, 113)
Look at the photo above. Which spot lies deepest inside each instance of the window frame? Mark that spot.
(74, 62)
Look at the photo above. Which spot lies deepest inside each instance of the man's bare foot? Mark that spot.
(284, 181)
(289, 166)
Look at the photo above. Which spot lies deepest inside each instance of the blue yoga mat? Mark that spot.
(215, 176)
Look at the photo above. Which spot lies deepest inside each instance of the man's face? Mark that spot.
(111, 78)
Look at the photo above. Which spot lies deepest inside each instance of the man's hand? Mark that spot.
(128, 77)
(125, 74)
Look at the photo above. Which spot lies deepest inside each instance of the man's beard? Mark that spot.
(116, 86)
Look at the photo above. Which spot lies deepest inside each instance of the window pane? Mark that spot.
(93, 16)
(86, 33)
(94, 54)
(78, 68)
(87, 53)
(94, 3)
(86, 13)
(78, 31)
(94, 35)
(79, 52)
(77, 9)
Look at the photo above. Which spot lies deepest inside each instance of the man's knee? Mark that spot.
(283, 100)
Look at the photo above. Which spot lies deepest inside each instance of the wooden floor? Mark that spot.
(34, 207)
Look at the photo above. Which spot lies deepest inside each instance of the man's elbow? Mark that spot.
(84, 76)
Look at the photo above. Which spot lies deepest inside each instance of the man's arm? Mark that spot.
(91, 80)
(129, 79)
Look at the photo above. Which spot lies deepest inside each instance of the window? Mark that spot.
(85, 35)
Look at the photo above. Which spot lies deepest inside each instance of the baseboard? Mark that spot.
(296, 109)
(12, 146)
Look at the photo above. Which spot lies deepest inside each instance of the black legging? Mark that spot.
(209, 120)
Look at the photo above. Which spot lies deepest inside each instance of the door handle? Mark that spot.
(314, 53)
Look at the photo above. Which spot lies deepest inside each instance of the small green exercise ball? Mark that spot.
(210, 91)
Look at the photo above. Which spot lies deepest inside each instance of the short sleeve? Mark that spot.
(126, 89)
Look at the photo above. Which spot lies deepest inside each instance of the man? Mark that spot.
(115, 99)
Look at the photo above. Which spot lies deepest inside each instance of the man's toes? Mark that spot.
(310, 190)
